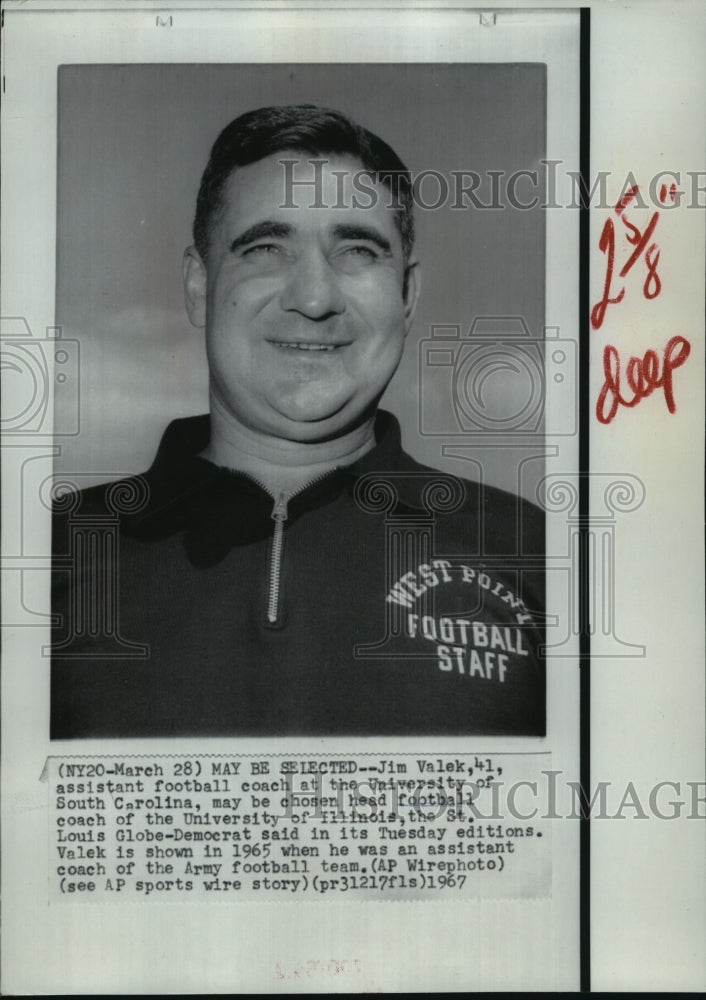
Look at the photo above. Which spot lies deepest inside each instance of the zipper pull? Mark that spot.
(279, 511)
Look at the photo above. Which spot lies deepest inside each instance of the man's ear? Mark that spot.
(410, 291)
(194, 275)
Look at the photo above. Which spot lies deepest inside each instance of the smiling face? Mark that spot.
(306, 308)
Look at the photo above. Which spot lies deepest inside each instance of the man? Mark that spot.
(284, 567)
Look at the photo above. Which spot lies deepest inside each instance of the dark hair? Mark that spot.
(299, 128)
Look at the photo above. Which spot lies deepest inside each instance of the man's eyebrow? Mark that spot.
(259, 231)
(350, 231)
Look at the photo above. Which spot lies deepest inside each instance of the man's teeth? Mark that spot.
(308, 347)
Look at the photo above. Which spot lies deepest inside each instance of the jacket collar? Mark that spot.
(184, 439)
(218, 509)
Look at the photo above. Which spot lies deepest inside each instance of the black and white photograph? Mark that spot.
(285, 566)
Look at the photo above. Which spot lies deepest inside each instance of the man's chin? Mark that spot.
(313, 413)
(320, 424)
(314, 429)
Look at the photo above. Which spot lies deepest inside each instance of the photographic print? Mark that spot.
(286, 566)
(352, 497)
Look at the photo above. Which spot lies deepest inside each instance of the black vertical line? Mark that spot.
(583, 568)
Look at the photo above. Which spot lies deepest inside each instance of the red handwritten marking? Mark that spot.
(642, 375)
(652, 286)
(606, 245)
(664, 191)
(626, 199)
(639, 239)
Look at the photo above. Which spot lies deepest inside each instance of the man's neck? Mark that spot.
(282, 466)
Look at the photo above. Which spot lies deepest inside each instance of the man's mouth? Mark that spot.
(298, 345)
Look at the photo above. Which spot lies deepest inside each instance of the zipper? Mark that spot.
(279, 516)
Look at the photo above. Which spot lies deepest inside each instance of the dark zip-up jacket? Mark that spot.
(383, 598)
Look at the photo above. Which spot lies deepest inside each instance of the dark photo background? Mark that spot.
(133, 142)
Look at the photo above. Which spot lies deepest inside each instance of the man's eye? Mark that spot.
(261, 248)
(362, 251)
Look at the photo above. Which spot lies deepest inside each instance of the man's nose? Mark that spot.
(312, 288)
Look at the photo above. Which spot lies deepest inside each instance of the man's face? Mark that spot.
(304, 307)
